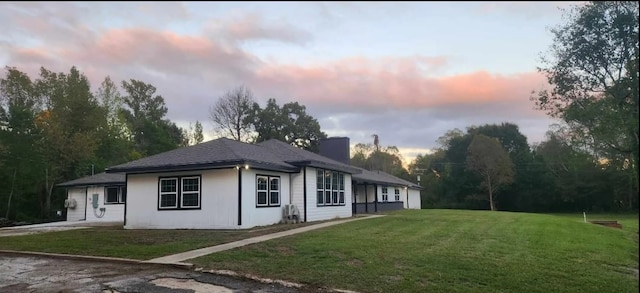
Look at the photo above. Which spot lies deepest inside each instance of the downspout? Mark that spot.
(239, 196)
(86, 200)
(304, 191)
(126, 179)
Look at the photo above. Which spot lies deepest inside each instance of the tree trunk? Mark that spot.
(13, 184)
(48, 192)
(493, 207)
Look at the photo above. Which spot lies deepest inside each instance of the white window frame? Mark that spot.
(320, 187)
(331, 191)
(161, 193)
(183, 192)
(385, 193)
(397, 193)
(268, 191)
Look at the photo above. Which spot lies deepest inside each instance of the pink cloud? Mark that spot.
(253, 26)
(402, 83)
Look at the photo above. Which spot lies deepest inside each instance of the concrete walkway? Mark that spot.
(52, 227)
(180, 257)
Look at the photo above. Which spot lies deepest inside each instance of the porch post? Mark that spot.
(366, 199)
(375, 203)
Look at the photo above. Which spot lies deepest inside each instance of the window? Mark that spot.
(115, 194)
(191, 192)
(330, 187)
(179, 193)
(397, 194)
(385, 194)
(267, 191)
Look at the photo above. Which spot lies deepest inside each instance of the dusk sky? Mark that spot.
(407, 71)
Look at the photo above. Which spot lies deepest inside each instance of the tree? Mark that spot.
(593, 70)
(194, 134)
(145, 117)
(487, 158)
(289, 123)
(229, 114)
(69, 124)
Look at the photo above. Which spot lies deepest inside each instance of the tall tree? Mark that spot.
(593, 68)
(115, 146)
(69, 124)
(229, 114)
(488, 159)
(289, 123)
(19, 105)
(145, 117)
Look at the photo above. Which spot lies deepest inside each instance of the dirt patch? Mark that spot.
(392, 279)
(355, 263)
(190, 284)
(286, 250)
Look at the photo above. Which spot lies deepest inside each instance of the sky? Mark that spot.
(406, 71)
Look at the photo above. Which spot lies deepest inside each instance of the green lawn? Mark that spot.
(450, 251)
(136, 244)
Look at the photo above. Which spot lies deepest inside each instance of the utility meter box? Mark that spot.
(94, 200)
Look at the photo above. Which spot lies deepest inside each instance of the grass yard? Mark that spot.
(627, 220)
(135, 244)
(450, 251)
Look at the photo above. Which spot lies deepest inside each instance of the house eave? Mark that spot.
(203, 166)
(322, 165)
(74, 185)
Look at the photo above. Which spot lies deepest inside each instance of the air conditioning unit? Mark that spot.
(70, 203)
(291, 214)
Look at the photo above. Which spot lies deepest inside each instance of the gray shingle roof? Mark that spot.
(300, 157)
(97, 179)
(270, 155)
(381, 177)
(218, 153)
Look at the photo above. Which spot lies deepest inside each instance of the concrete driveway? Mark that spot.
(52, 227)
(49, 275)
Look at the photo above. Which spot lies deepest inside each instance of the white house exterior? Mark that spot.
(373, 191)
(225, 184)
(109, 192)
(376, 191)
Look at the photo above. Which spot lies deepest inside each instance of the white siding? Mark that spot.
(77, 213)
(261, 216)
(319, 213)
(297, 191)
(112, 212)
(414, 199)
(219, 202)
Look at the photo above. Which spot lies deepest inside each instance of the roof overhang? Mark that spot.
(204, 166)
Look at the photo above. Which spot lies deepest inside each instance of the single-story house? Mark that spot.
(226, 184)
(373, 191)
(96, 198)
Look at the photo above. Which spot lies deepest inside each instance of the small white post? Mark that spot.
(584, 214)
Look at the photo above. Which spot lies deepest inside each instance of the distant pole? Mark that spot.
(91, 169)
(584, 215)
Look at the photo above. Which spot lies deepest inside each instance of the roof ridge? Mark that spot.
(225, 142)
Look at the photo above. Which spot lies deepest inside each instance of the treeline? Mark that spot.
(54, 128)
(551, 176)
